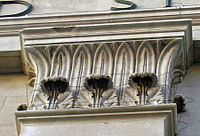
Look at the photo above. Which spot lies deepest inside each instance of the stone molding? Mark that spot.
(156, 119)
(11, 26)
(159, 47)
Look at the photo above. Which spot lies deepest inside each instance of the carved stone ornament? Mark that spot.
(180, 102)
(99, 93)
(118, 60)
(53, 87)
(106, 65)
(143, 90)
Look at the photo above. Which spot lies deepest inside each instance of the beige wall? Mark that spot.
(12, 94)
(11, 43)
(59, 6)
(46, 6)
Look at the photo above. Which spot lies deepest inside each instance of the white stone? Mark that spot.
(121, 121)
(131, 39)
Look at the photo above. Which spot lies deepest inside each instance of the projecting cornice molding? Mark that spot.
(11, 26)
(116, 50)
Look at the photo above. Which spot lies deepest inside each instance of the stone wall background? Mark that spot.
(188, 122)
(61, 6)
(12, 94)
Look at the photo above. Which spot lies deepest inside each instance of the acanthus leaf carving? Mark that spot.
(108, 99)
(130, 97)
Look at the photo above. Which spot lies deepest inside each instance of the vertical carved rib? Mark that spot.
(145, 58)
(177, 77)
(61, 62)
(145, 62)
(47, 66)
(40, 62)
(124, 66)
(103, 61)
(167, 60)
(81, 67)
(35, 58)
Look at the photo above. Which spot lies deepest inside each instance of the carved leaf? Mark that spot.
(108, 99)
(130, 97)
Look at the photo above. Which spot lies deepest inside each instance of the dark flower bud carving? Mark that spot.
(142, 82)
(97, 85)
(52, 87)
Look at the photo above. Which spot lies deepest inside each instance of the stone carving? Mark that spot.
(108, 99)
(145, 58)
(142, 82)
(143, 90)
(97, 85)
(81, 67)
(180, 103)
(53, 87)
(103, 60)
(124, 66)
(22, 107)
(117, 59)
(130, 97)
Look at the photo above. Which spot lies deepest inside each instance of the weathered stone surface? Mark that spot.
(189, 120)
(125, 121)
(45, 7)
(10, 62)
(90, 48)
(13, 93)
(10, 27)
(13, 85)
(189, 88)
(196, 50)
(7, 130)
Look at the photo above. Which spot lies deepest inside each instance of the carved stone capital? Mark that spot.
(114, 49)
